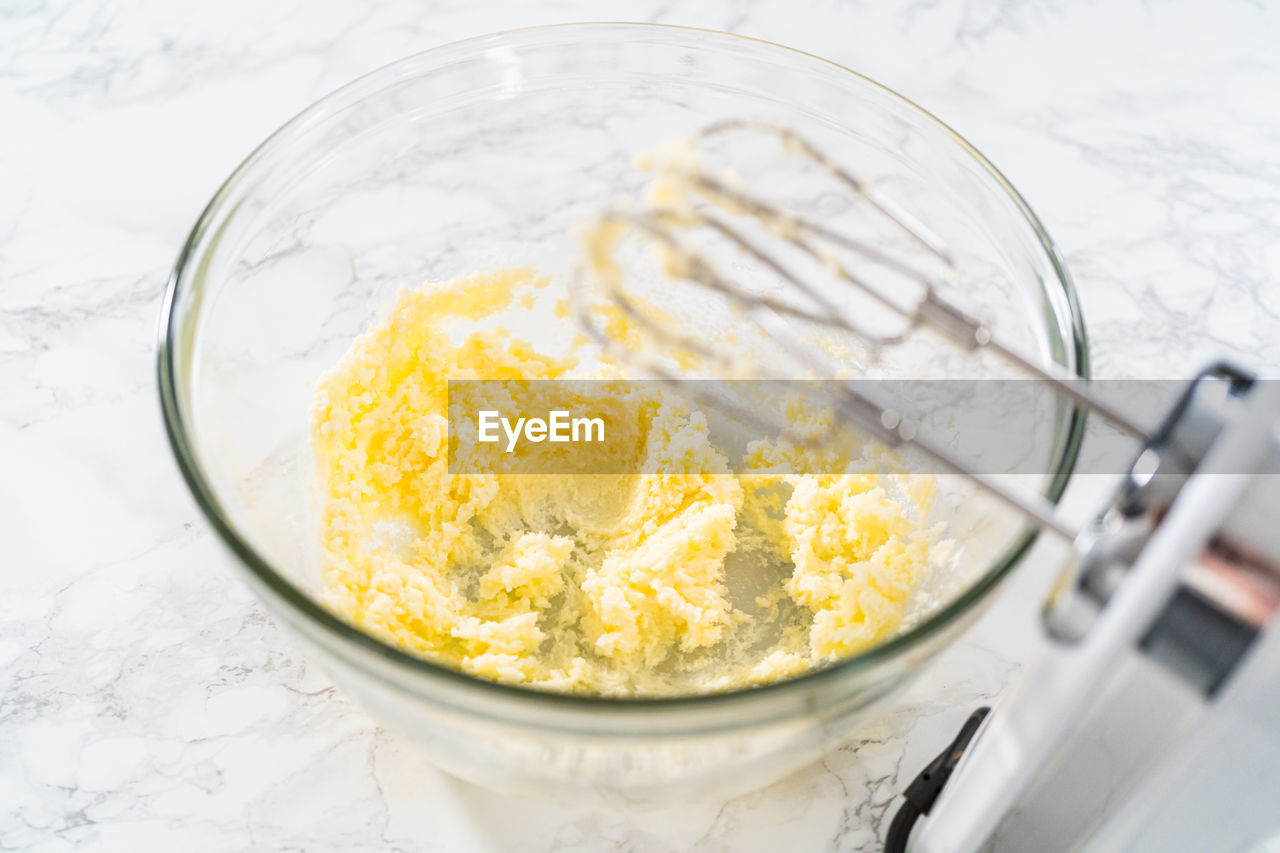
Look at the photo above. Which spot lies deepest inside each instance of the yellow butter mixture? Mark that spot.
(682, 579)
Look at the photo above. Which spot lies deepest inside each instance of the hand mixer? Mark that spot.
(1168, 601)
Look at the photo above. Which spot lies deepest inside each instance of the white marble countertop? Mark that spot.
(148, 703)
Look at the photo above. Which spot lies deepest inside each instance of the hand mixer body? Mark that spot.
(1168, 598)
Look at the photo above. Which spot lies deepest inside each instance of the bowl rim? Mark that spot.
(293, 599)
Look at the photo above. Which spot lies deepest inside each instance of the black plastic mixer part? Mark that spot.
(923, 791)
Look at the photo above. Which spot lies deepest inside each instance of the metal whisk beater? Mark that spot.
(720, 206)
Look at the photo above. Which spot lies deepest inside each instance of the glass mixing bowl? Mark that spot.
(490, 153)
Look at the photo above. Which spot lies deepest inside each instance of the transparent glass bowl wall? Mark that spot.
(492, 153)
